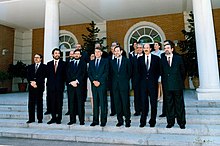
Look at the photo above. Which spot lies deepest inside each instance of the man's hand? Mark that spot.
(34, 84)
(74, 83)
(96, 83)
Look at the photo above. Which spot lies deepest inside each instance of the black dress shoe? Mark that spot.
(58, 122)
(40, 121)
(81, 123)
(152, 125)
(128, 125)
(103, 124)
(162, 115)
(137, 114)
(93, 124)
(29, 122)
(112, 114)
(119, 124)
(68, 113)
(47, 113)
(182, 126)
(142, 125)
(169, 126)
(51, 122)
(71, 123)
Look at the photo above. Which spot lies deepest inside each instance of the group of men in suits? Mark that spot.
(142, 67)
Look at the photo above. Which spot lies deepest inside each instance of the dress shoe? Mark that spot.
(142, 125)
(71, 123)
(47, 113)
(103, 124)
(81, 123)
(40, 121)
(29, 122)
(128, 125)
(119, 124)
(112, 114)
(137, 114)
(51, 122)
(58, 122)
(152, 125)
(169, 126)
(182, 126)
(93, 124)
(162, 115)
(68, 113)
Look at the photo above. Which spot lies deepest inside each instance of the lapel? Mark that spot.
(122, 64)
(115, 67)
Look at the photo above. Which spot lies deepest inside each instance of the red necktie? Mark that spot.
(55, 66)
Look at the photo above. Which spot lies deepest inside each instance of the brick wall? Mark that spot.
(38, 36)
(6, 42)
(171, 25)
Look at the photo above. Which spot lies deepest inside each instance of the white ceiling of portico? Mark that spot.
(29, 14)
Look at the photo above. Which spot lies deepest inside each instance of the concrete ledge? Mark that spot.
(208, 94)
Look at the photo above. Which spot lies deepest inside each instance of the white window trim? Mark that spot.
(137, 26)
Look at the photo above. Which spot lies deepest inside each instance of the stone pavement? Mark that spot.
(202, 128)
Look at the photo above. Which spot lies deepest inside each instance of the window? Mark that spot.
(67, 43)
(144, 32)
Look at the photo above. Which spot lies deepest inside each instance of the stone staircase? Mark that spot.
(202, 128)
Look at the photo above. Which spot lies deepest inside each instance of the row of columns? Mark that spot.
(209, 88)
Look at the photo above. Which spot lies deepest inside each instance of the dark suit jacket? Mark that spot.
(121, 77)
(77, 73)
(149, 78)
(172, 76)
(135, 71)
(38, 77)
(101, 74)
(55, 82)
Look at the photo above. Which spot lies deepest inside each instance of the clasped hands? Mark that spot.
(96, 83)
(74, 83)
(33, 84)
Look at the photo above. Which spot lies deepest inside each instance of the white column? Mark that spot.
(209, 88)
(51, 29)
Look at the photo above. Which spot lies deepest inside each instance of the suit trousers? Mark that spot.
(35, 98)
(146, 95)
(77, 105)
(137, 99)
(99, 100)
(122, 105)
(56, 99)
(175, 107)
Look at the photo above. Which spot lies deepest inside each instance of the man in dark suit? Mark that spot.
(56, 71)
(173, 74)
(86, 58)
(121, 73)
(76, 71)
(135, 77)
(98, 74)
(149, 68)
(36, 78)
(70, 59)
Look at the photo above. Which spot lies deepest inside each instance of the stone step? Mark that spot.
(191, 119)
(206, 130)
(112, 137)
(189, 110)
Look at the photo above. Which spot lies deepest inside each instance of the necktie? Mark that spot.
(147, 64)
(118, 64)
(36, 67)
(168, 61)
(55, 66)
(97, 64)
